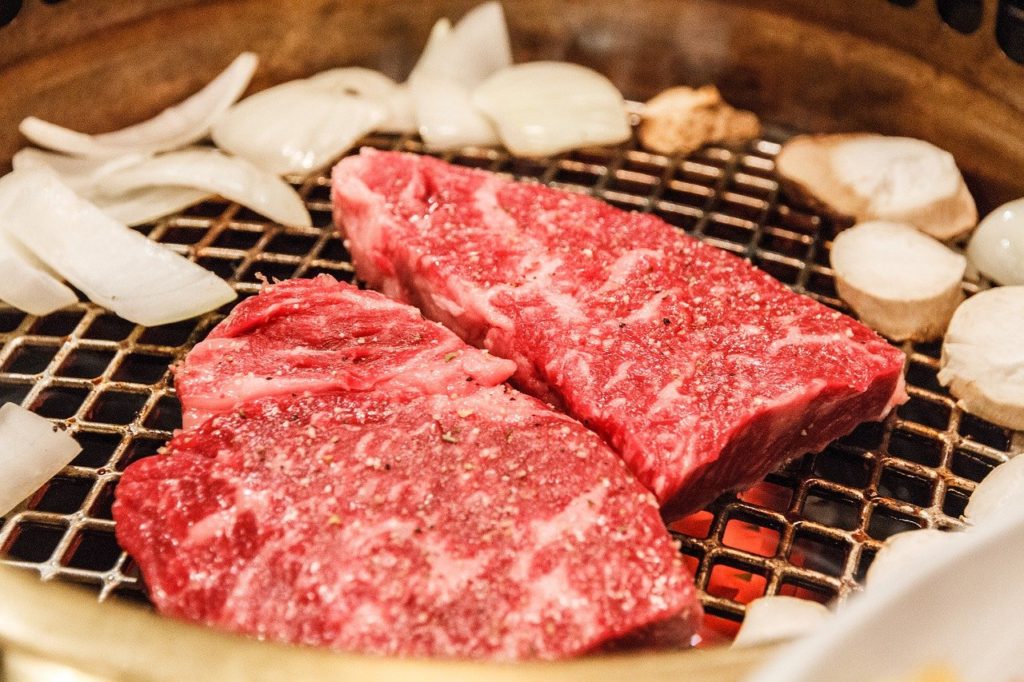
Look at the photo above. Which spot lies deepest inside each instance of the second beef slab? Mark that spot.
(704, 372)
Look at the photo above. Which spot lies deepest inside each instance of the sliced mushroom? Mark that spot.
(983, 356)
(900, 282)
(861, 177)
(681, 120)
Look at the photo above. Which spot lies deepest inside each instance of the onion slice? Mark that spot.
(998, 494)
(32, 451)
(356, 81)
(454, 62)
(770, 619)
(543, 108)
(146, 204)
(900, 282)
(211, 171)
(83, 175)
(177, 126)
(983, 357)
(296, 127)
(114, 266)
(997, 246)
(25, 283)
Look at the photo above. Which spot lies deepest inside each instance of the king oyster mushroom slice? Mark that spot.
(863, 177)
(900, 282)
(983, 356)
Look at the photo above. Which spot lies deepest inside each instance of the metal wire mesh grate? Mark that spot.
(809, 530)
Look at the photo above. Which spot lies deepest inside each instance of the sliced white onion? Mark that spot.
(999, 494)
(79, 174)
(455, 61)
(177, 126)
(114, 266)
(32, 451)
(471, 51)
(434, 58)
(447, 117)
(146, 204)
(983, 356)
(355, 81)
(543, 108)
(770, 619)
(25, 283)
(997, 246)
(296, 127)
(900, 281)
(905, 553)
(211, 171)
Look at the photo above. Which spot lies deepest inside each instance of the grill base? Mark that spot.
(810, 530)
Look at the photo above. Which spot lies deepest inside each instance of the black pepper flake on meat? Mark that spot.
(665, 321)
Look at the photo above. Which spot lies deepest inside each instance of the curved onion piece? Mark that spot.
(114, 266)
(1000, 493)
(543, 108)
(983, 357)
(454, 62)
(355, 81)
(471, 51)
(900, 281)
(146, 204)
(997, 246)
(770, 619)
(296, 127)
(25, 284)
(177, 126)
(907, 553)
(447, 116)
(209, 170)
(79, 174)
(34, 451)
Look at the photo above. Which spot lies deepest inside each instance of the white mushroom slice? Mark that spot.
(906, 553)
(25, 283)
(177, 126)
(32, 450)
(213, 172)
(355, 81)
(770, 619)
(296, 127)
(542, 108)
(997, 246)
(999, 493)
(874, 177)
(114, 266)
(983, 356)
(900, 282)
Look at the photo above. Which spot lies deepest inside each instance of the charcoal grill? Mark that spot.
(937, 72)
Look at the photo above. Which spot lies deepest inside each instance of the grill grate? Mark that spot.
(809, 530)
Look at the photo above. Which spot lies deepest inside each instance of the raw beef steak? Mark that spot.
(317, 335)
(396, 516)
(702, 371)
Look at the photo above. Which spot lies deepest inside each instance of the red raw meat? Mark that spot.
(701, 370)
(318, 335)
(395, 516)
